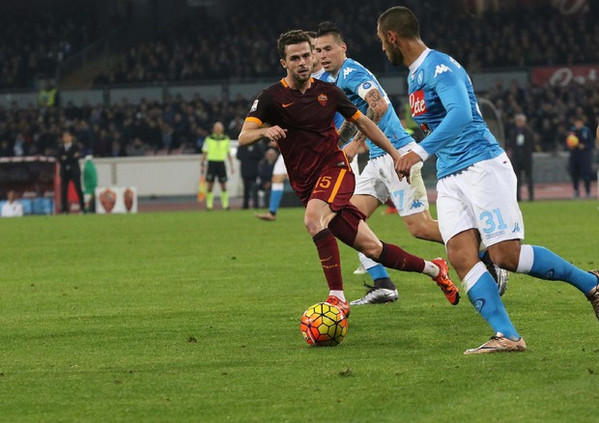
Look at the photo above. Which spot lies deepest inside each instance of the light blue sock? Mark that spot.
(275, 200)
(484, 297)
(548, 265)
(378, 272)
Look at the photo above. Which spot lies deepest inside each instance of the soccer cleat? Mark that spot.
(499, 343)
(376, 296)
(343, 306)
(593, 296)
(360, 270)
(501, 276)
(452, 293)
(268, 216)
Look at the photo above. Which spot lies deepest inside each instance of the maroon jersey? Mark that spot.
(311, 143)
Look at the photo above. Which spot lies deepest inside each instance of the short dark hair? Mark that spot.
(401, 20)
(295, 36)
(312, 34)
(328, 27)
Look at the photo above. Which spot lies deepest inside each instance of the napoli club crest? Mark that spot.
(322, 99)
(108, 199)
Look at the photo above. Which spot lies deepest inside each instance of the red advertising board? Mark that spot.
(565, 75)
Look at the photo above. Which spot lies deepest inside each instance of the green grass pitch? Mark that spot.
(194, 316)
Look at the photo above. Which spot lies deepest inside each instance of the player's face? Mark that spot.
(298, 61)
(316, 62)
(331, 52)
(391, 50)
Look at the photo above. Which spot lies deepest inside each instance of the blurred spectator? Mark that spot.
(68, 158)
(11, 208)
(90, 182)
(520, 144)
(581, 144)
(250, 157)
(265, 169)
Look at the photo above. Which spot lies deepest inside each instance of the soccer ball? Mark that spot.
(572, 141)
(323, 325)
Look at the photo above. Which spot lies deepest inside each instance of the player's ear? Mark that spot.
(283, 63)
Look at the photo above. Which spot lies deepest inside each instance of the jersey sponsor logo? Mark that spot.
(441, 69)
(254, 106)
(285, 105)
(417, 104)
(322, 99)
(347, 71)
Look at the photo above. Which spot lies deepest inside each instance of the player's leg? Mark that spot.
(279, 174)
(210, 177)
(482, 293)
(64, 191)
(350, 228)
(77, 183)
(542, 263)
(465, 212)
(365, 199)
(317, 217)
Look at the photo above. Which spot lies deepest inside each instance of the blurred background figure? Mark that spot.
(520, 144)
(265, 170)
(90, 182)
(250, 157)
(217, 148)
(12, 207)
(581, 144)
(68, 158)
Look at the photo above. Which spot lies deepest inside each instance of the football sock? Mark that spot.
(394, 257)
(328, 252)
(209, 200)
(482, 293)
(224, 199)
(374, 269)
(275, 197)
(338, 294)
(545, 264)
(431, 269)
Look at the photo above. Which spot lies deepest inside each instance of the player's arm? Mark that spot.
(346, 132)
(253, 130)
(377, 105)
(374, 134)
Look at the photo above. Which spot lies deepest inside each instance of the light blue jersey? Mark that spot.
(356, 81)
(327, 77)
(438, 88)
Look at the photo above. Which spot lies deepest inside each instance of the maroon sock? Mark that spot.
(328, 252)
(394, 257)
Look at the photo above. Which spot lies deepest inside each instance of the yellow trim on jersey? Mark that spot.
(356, 116)
(337, 185)
(254, 119)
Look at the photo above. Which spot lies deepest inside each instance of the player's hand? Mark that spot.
(404, 164)
(275, 133)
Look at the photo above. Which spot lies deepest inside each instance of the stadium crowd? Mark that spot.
(33, 48)
(241, 47)
(176, 125)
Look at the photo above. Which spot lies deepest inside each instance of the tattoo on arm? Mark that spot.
(346, 132)
(377, 106)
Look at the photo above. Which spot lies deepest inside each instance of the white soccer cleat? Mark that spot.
(360, 270)
(377, 296)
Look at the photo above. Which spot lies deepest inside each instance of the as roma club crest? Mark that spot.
(128, 197)
(322, 99)
(108, 199)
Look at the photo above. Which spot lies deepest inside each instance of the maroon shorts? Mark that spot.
(334, 186)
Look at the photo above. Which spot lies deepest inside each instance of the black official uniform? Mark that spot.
(70, 171)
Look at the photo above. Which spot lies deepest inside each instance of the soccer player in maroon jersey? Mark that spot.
(298, 113)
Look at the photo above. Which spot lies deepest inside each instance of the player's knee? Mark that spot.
(313, 223)
(419, 230)
(506, 259)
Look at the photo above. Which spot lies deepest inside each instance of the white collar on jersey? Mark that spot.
(416, 63)
(318, 73)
